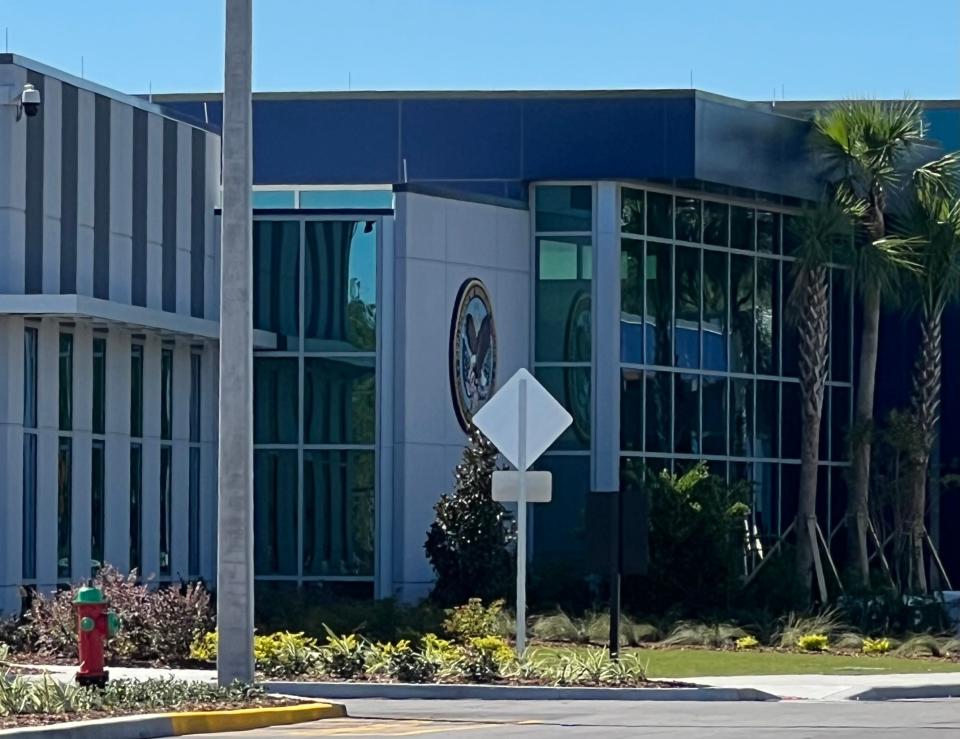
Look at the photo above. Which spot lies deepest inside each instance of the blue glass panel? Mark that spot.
(346, 199)
(273, 199)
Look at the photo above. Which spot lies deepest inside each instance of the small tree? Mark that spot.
(469, 542)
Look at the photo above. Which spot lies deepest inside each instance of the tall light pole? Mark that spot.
(235, 510)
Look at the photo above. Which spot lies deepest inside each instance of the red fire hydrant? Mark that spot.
(94, 624)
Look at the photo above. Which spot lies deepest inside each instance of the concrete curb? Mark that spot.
(902, 692)
(403, 691)
(153, 726)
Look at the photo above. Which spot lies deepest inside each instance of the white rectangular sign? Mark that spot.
(506, 486)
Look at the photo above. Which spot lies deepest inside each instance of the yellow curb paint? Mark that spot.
(203, 722)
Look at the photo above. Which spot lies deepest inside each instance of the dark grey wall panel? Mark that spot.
(69, 158)
(138, 292)
(33, 241)
(169, 279)
(101, 198)
(198, 188)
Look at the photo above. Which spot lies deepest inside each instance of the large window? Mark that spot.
(29, 549)
(98, 455)
(166, 461)
(136, 457)
(193, 501)
(65, 458)
(315, 290)
(708, 363)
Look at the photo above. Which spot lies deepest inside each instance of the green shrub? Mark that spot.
(698, 634)
(849, 640)
(158, 625)
(475, 620)
(827, 622)
(441, 652)
(469, 542)
(280, 655)
(919, 645)
(747, 642)
(591, 666)
(876, 646)
(343, 656)
(483, 658)
(813, 642)
(401, 662)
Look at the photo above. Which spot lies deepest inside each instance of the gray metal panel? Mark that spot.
(101, 199)
(33, 243)
(169, 279)
(139, 256)
(69, 179)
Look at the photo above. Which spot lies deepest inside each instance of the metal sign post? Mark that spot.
(522, 419)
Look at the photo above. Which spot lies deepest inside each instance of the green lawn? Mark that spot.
(695, 662)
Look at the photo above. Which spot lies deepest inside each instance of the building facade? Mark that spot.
(411, 251)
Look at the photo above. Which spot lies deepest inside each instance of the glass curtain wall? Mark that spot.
(136, 456)
(563, 338)
(98, 452)
(29, 551)
(708, 363)
(65, 457)
(315, 292)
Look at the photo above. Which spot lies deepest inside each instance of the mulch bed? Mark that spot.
(41, 719)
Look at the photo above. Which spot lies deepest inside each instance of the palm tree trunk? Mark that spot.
(857, 507)
(926, 406)
(813, 328)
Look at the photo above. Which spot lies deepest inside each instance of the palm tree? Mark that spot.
(821, 234)
(930, 227)
(863, 144)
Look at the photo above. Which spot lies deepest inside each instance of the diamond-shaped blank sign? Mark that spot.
(499, 419)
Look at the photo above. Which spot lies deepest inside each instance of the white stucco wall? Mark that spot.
(440, 243)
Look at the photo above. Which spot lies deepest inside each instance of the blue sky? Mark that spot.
(744, 48)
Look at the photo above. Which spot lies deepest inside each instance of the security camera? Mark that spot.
(30, 100)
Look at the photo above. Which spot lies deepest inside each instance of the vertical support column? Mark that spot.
(11, 463)
(48, 417)
(117, 447)
(605, 470)
(150, 535)
(82, 452)
(180, 493)
(235, 542)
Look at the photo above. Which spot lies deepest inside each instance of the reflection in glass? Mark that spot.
(64, 504)
(29, 528)
(790, 349)
(339, 522)
(714, 310)
(741, 418)
(275, 400)
(276, 280)
(789, 492)
(658, 412)
(792, 422)
(275, 512)
(136, 507)
(631, 409)
(840, 423)
(195, 385)
(840, 303)
(766, 500)
(99, 385)
(659, 308)
(686, 414)
(166, 503)
(571, 387)
(768, 231)
(688, 219)
(687, 292)
(767, 418)
(97, 512)
(166, 394)
(742, 233)
(631, 211)
(631, 301)
(660, 215)
(715, 223)
(30, 339)
(563, 330)
(714, 415)
(564, 208)
(193, 514)
(66, 382)
(741, 328)
(338, 401)
(768, 316)
(136, 390)
(340, 288)
(791, 234)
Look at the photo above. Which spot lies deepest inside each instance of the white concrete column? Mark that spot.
(11, 462)
(48, 406)
(117, 472)
(606, 341)
(180, 493)
(82, 442)
(13, 199)
(151, 457)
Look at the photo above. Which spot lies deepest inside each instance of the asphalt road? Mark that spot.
(506, 719)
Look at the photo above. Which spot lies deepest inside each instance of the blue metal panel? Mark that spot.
(463, 139)
(325, 141)
(607, 138)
